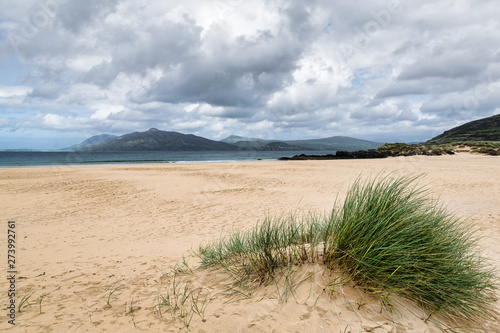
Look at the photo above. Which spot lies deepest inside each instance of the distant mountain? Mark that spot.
(236, 139)
(486, 129)
(281, 146)
(336, 143)
(246, 143)
(156, 140)
(332, 143)
(92, 141)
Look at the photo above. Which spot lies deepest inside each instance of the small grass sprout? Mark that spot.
(39, 302)
(181, 267)
(175, 299)
(110, 289)
(182, 302)
(199, 306)
(24, 302)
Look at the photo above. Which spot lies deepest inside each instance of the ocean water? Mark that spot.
(47, 158)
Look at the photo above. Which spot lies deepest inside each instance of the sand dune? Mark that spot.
(85, 231)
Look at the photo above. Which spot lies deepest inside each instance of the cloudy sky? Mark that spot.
(378, 70)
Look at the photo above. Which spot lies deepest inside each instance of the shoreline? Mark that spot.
(100, 158)
(280, 160)
(130, 163)
(301, 157)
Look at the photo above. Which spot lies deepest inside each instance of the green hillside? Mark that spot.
(156, 140)
(486, 129)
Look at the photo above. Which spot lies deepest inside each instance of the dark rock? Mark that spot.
(339, 155)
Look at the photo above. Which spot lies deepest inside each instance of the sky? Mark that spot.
(386, 71)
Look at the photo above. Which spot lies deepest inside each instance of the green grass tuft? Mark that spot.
(391, 236)
(255, 256)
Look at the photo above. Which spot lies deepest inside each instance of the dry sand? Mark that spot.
(83, 228)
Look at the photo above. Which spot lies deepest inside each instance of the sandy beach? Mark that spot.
(85, 231)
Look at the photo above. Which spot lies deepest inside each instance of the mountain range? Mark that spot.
(157, 140)
(486, 129)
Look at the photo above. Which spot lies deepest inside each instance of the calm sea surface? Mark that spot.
(39, 158)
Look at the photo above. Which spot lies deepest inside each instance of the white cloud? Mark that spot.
(14, 91)
(105, 110)
(54, 121)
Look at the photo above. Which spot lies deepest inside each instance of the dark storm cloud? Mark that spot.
(242, 72)
(54, 27)
(159, 46)
(245, 75)
(75, 15)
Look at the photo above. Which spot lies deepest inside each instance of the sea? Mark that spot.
(58, 158)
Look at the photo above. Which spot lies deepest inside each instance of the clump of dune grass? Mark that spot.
(183, 302)
(253, 257)
(387, 236)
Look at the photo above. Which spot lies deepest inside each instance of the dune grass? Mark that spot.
(183, 302)
(387, 236)
(255, 256)
(390, 236)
